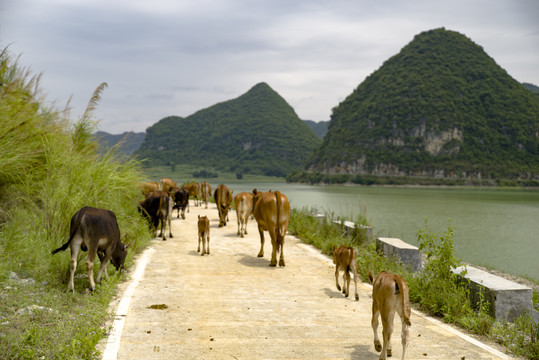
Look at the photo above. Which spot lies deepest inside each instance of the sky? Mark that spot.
(175, 57)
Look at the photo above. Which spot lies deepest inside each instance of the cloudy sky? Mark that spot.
(174, 57)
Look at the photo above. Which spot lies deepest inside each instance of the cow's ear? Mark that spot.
(255, 191)
(126, 246)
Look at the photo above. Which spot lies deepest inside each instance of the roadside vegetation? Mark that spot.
(49, 168)
(436, 290)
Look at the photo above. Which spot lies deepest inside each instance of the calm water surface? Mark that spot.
(495, 228)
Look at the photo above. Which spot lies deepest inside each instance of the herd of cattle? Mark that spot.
(96, 231)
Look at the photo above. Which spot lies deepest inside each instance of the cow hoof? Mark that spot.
(339, 287)
(357, 297)
(389, 353)
(260, 255)
(202, 254)
(281, 263)
(273, 264)
(378, 346)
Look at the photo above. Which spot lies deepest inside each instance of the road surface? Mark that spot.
(232, 305)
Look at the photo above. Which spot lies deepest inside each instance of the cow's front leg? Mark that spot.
(386, 333)
(261, 232)
(103, 268)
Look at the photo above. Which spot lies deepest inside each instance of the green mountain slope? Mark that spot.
(320, 128)
(257, 132)
(441, 107)
(128, 142)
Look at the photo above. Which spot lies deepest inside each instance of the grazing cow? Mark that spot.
(97, 231)
(345, 258)
(272, 213)
(223, 199)
(244, 207)
(205, 190)
(168, 185)
(157, 207)
(204, 234)
(194, 192)
(148, 187)
(389, 294)
(181, 201)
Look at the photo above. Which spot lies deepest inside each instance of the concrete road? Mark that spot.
(232, 305)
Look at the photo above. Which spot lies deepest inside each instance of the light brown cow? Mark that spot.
(272, 213)
(194, 192)
(244, 206)
(345, 258)
(389, 294)
(168, 185)
(223, 200)
(204, 234)
(148, 187)
(205, 190)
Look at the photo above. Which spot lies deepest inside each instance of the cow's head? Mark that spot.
(118, 257)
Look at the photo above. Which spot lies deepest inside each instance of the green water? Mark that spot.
(494, 228)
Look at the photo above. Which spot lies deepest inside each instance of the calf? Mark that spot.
(95, 230)
(205, 189)
(223, 200)
(244, 207)
(194, 192)
(272, 213)
(345, 258)
(181, 201)
(157, 207)
(389, 294)
(204, 235)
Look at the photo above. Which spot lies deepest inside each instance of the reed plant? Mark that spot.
(49, 169)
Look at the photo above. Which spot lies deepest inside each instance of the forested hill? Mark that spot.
(257, 132)
(441, 107)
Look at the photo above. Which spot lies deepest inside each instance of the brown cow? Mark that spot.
(389, 294)
(272, 213)
(181, 201)
(223, 200)
(95, 230)
(148, 187)
(157, 207)
(168, 185)
(345, 258)
(244, 206)
(194, 192)
(205, 190)
(204, 234)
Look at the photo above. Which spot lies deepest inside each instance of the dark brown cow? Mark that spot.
(168, 185)
(204, 234)
(244, 206)
(205, 190)
(223, 200)
(345, 258)
(157, 207)
(389, 294)
(181, 201)
(95, 230)
(272, 213)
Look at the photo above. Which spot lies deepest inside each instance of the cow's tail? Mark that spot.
(73, 231)
(279, 204)
(371, 278)
(402, 288)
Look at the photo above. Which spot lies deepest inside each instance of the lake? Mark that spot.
(496, 228)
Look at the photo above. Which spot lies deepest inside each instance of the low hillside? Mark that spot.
(256, 133)
(126, 144)
(441, 107)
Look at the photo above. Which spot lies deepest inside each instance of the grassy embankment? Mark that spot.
(436, 290)
(48, 170)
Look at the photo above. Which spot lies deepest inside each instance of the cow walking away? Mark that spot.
(272, 213)
(389, 294)
(194, 192)
(157, 207)
(223, 200)
(168, 185)
(181, 201)
(204, 234)
(95, 230)
(244, 206)
(345, 258)
(205, 190)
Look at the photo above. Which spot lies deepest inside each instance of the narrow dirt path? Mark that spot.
(232, 305)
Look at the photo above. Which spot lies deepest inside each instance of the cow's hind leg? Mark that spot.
(347, 283)
(374, 324)
(261, 232)
(274, 247)
(337, 277)
(280, 245)
(75, 246)
(208, 242)
(405, 337)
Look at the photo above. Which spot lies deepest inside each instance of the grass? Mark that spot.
(49, 169)
(436, 290)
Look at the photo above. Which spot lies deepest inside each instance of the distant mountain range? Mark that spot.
(440, 108)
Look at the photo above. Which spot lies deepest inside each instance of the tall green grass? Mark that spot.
(49, 168)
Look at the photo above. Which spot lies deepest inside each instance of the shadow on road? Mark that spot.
(253, 261)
